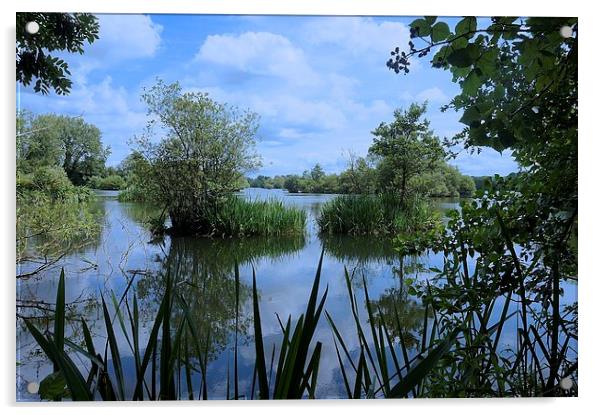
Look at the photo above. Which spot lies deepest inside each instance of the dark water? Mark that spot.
(285, 269)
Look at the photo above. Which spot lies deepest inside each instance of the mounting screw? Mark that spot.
(566, 32)
(32, 28)
(566, 384)
(33, 387)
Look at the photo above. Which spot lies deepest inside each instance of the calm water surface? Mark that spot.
(285, 269)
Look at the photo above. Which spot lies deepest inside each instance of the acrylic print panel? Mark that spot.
(295, 207)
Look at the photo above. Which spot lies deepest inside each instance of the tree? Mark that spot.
(205, 149)
(518, 81)
(405, 148)
(57, 32)
(84, 156)
(38, 142)
(293, 184)
(317, 173)
(56, 140)
(359, 177)
(519, 89)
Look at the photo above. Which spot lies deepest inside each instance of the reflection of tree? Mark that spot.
(359, 250)
(203, 272)
(142, 213)
(396, 303)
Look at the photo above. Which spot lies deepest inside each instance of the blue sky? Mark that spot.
(319, 84)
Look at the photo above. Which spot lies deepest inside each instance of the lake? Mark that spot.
(123, 253)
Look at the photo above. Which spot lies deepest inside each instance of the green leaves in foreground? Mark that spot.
(52, 345)
(373, 374)
(294, 378)
(422, 369)
(297, 365)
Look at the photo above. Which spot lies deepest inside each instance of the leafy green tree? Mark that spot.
(84, 153)
(518, 79)
(405, 148)
(204, 151)
(110, 182)
(317, 173)
(293, 184)
(57, 32)
(359, 177)
(56, 140)
(38, 142)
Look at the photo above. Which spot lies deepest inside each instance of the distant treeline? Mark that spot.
(442, 180)
(480, 181)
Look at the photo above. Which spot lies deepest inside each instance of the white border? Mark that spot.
(589, 173)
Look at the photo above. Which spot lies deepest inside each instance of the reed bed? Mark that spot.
(173, 355)
(237, 217)
(380, 214)
(359, 215)
(458, 354)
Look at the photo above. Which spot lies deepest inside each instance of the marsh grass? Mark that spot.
(379, 215)
(237, 217)
(360, 215)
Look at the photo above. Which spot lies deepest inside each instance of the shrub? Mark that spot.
(133, 193)
(52, 181)
(112, 182)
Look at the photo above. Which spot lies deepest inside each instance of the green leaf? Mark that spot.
(422, 369)
(487, 62)
(471, 116)
(59, 315)
(114, 346)
(52, 387)
(466, 26)
(439, 32)
(463, 58)
(506, 137)
(459, 43)
(471, 84)
(259, 351)
(75, 381)
(421, 26)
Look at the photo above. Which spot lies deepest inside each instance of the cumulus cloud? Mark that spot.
(124, 37)
(433, 95)
(112, 108)
(358, 35)
(320, 86)
(121, 38)
(258, 53)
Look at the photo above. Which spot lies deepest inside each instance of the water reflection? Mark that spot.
(204, 269)
(203, 272)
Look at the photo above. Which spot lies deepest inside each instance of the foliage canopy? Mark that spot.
(58, 32)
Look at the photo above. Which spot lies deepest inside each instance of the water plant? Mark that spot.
(165, 365)
(242, 218)
(359, 215)
(381, 214)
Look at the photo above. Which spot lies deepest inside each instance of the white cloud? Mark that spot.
(121, 38)
(117, 112)
(259, 53)
(433, 95)
(283, 106)
(358, 35)
(125, 37)
(487, 162)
